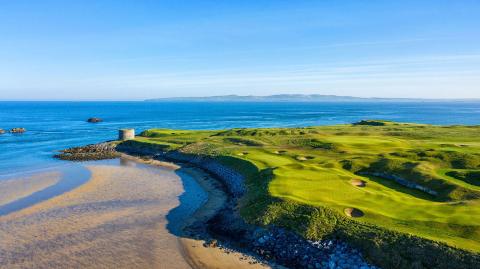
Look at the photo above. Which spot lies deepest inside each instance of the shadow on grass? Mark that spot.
(400, 188)
(470, 177)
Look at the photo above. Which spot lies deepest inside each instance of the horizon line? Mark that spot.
(286, 95)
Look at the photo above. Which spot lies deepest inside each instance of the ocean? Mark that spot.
(52, 126)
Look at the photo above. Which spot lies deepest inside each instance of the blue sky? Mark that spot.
(132, 50)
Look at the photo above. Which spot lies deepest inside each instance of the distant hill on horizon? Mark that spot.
(295, 98)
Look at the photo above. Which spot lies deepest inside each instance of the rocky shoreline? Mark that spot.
(92, 152)
(227, 229)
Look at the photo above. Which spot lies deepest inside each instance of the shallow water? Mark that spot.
(72, 176)
(127, 215)
(57, 125)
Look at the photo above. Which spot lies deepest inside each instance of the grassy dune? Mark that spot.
(316, 167)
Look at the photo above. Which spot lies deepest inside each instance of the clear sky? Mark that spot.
(131, 50)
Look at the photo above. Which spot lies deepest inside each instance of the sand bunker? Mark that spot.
(358, 182)
(280, 151)
(353, 212)
(304, 158)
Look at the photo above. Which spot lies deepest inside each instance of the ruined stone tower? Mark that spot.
(126, 134)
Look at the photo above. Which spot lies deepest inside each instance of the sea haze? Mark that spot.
(52, 126)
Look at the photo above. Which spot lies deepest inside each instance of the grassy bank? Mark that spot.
(405, 181)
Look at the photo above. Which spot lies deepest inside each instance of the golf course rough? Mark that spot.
(406, 194)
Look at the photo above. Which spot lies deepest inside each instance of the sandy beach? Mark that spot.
(14, 189)
(128, 215)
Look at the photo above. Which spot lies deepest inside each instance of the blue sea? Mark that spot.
(53, 126)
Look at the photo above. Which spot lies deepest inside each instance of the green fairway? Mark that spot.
(315, 166)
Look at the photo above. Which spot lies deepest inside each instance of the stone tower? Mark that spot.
(126, 134)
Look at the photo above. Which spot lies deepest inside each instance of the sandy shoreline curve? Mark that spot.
(194, 250)
(121, 218)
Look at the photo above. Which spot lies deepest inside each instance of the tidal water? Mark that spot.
(52, 126)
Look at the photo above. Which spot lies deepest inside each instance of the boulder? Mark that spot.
(18, 130)
(211, 243)
(94, 120)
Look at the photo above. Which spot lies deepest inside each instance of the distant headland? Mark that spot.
(298, 98)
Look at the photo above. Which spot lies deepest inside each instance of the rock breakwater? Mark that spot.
(231, 178)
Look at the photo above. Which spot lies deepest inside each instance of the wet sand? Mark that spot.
(207, 257)
(16, 188)
(193, 250)
(128, 215)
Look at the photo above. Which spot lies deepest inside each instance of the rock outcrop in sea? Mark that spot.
(94, 120)
(18, 130)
